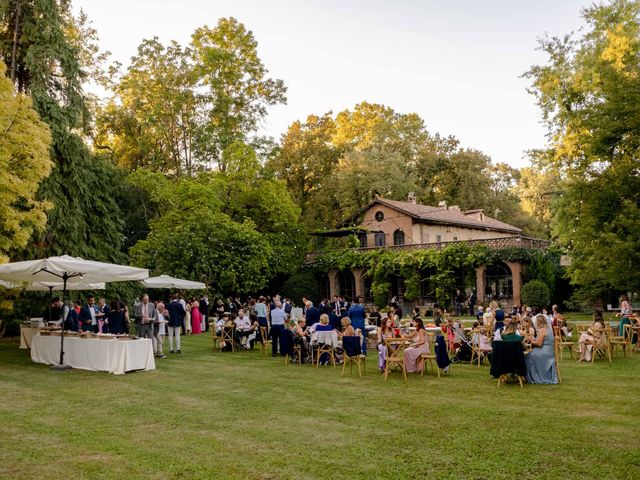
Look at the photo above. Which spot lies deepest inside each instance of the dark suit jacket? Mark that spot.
(176, 313)
(203, 307)
(313, 316)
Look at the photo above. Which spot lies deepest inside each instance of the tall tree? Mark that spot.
(24, 163)
(237, 90)
(589, 95)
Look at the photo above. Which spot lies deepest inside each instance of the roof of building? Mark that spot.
(448, 215)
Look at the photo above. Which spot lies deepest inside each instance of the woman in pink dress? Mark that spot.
(196, 318)
(413, 361)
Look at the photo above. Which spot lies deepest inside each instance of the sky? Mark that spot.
(456, 63)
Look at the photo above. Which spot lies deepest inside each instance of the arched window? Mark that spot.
(379, 239)
(498, 282)
(347, 284)
(398, 237)
(363, 240)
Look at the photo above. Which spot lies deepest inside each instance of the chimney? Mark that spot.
(442, 204)
(411, 198)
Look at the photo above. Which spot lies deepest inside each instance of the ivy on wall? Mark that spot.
(381, 265)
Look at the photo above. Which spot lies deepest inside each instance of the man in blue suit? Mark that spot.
(357, 315)
(312, 314)
(87, 317)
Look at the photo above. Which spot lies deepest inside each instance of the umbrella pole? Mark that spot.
(62, 366)
(51, 300)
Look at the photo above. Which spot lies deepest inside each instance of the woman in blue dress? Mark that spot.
(541, 362)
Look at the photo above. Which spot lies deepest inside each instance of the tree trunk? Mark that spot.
(14, 49)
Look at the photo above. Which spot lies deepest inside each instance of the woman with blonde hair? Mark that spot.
(347, 329)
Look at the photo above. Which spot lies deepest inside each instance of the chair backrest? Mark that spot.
(227, 333)
(628, 333)
(396, 346)
(352, 345)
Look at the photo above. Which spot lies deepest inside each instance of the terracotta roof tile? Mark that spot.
(453, 216)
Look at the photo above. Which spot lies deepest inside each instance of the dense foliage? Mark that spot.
(24, 162)
(589, 94)
(335, 166)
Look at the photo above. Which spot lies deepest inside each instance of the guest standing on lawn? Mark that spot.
(357, 315)
(278, 319)
(145, 315)
(196, 317)
(176, 317)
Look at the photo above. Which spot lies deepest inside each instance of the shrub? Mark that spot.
(536, 293)
(302, 283)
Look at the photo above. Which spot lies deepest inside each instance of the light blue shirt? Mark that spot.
(261, 310)
(278, 316)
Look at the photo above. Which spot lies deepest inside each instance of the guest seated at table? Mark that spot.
(541, 364)
(594, 336)
(243, 328)
(509, 333)
(301, 338)
(254, 330)
(347, 329)
(324, 325)
(385, 331)
(374, 317)
(625, 315)
(526, 327)
(413, 361)
(115, 319)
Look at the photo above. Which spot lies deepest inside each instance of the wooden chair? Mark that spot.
(557, 350)
(502, 379)
(228, 334)
(297, 351)
(602, 348)
(561, 344)
(323, 348)
(431, 356)
(265, 345)
(395, 355)
(476, 352)
(215, 339)
(353, 354)
(624, 341)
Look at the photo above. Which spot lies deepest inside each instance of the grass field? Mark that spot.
(222, 415)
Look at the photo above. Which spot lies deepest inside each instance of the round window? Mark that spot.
(379, 216)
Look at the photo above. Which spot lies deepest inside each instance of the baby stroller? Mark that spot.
(464, 350)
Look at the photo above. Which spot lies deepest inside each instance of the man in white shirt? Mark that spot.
(243, 328)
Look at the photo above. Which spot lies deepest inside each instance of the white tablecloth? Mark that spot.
(115, 356)
(26, 334)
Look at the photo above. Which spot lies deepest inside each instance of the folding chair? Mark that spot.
(395, 355)
(353, 354)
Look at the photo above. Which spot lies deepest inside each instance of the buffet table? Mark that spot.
(113, 355)
(26, 336)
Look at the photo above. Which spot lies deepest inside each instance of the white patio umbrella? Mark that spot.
(165, 281)
(65, 267)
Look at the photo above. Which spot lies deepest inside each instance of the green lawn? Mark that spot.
(221, 415)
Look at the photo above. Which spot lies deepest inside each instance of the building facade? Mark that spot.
(400, 225)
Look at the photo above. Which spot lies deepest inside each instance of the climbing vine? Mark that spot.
(381, 265)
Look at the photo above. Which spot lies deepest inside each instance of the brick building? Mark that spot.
(400, 225)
